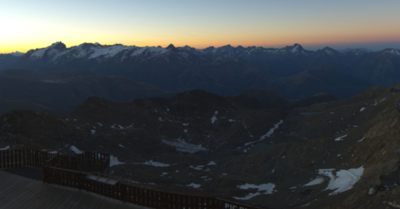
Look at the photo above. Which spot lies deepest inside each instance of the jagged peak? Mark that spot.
(57, 45)
(328, 50)
(226, 46)
(298, 46)
(171, 46)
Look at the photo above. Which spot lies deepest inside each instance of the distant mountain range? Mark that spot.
(291, 72)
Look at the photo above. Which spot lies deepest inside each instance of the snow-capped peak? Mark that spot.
(329, 51)
(58, 52)
(391, 51)
(16, 54)
(57, 44)
(296, 49)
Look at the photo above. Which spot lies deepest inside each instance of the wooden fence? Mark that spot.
(87, 161)
(137, 195)
(23, 157)
(73, 171)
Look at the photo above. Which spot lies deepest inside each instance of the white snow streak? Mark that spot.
(214, 118)
(340, 138)
(270, 132)
(182, 146)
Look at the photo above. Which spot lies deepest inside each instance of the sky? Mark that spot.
(27, 24)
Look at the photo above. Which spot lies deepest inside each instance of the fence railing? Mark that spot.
(23, 157)
(136, 195)
(73, 171)
(87, 161)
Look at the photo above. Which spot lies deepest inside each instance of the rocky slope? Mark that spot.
(62, 91)
(326, 155)
(6, 60)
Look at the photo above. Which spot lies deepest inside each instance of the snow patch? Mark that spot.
(199, 167)
(211, 163)
(340, 138)
(362, 109)
(361, 140)
(121, 145)
(214, 118)
(182, 146)
(76, 150)
(155, 164)
(262, 189)
(38, 53)
(93, 131)
(344, 179)
(114, 161)
(316, 181)
(194, 185)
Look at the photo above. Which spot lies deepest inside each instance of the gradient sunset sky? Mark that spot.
(27, 24)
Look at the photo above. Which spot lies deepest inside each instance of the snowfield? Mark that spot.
(344, 179)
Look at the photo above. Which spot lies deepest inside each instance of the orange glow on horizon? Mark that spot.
(25, 47)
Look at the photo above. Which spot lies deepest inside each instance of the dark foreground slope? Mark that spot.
(62, 91)
(232, 147)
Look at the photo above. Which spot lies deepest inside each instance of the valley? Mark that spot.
(201, 143)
